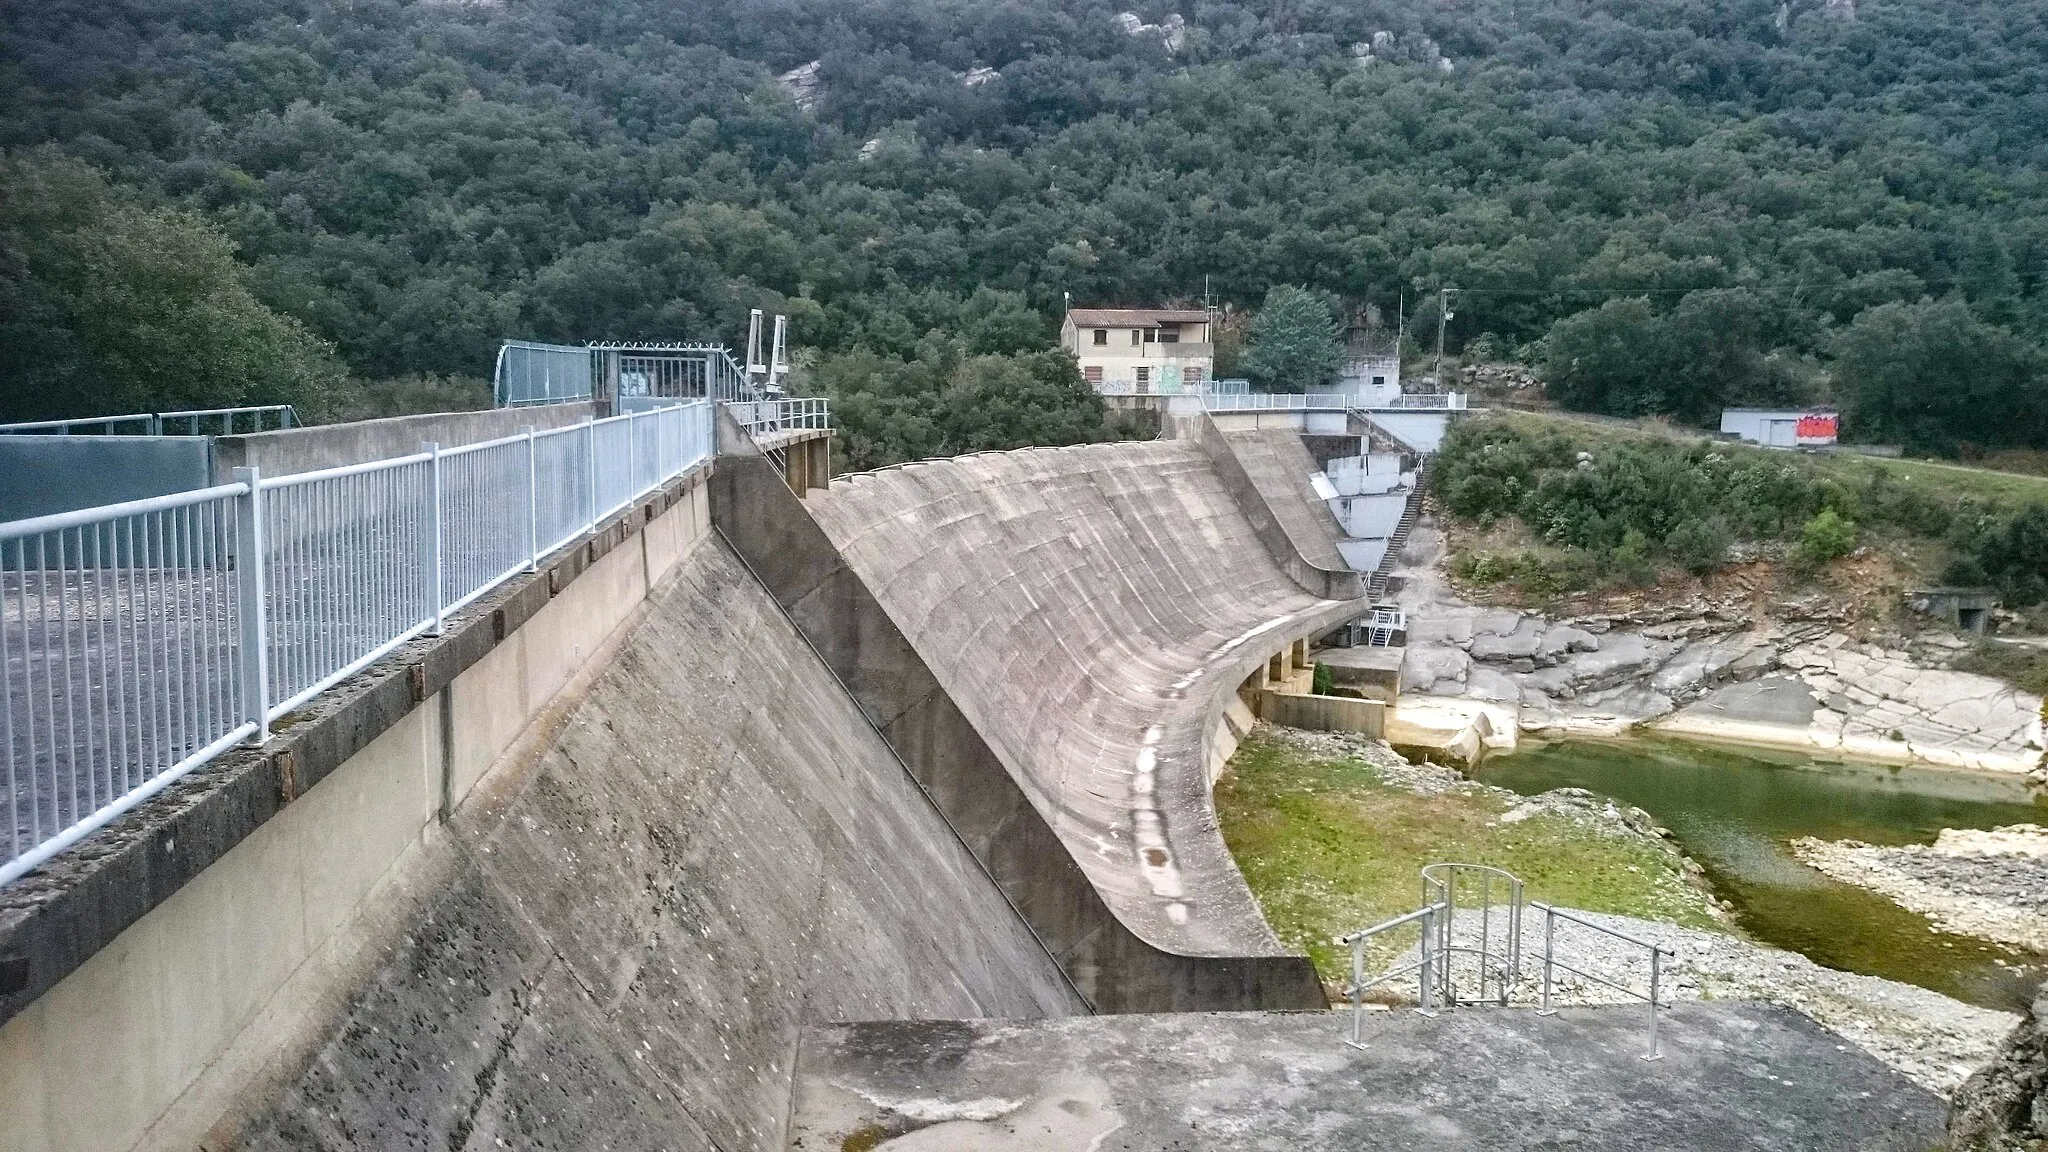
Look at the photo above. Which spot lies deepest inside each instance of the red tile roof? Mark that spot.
(1134, 317)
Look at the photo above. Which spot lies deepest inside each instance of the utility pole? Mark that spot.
(1443, 317)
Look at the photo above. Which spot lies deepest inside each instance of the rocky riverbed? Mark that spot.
(1789, 677)
(1991, 885)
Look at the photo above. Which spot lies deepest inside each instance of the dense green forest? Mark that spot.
(1666, 204)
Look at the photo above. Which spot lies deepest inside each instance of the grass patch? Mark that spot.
(2023, 666)
(1329, 846)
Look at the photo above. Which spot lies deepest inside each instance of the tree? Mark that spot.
(1295, 342)
(1598, 360)
(1932, 376)
(107, 306)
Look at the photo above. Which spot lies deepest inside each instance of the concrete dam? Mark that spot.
(775, 814)
(578, 872)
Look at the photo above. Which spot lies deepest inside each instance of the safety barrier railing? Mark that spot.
(759, 416)
(1424, 967)
(1495, 958)
(1441, 401)
(225, 421)
(141, 640)
(1330, 401)
(193, 422)
(529, 373)
(1551, 916)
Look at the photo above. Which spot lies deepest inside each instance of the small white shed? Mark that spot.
(1781, 427)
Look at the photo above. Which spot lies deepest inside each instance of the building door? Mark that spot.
(1781, 433)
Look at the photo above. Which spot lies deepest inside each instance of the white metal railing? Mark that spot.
(1658, 953)
(1424, 966)
(191, 422)
(141, 640)
(1300, 401)
(764, 416)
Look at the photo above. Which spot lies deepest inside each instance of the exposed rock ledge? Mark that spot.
(1708, 671)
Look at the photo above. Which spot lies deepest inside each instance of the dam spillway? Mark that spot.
(1093, 610)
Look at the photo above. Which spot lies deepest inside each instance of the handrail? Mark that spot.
(1551, 915)
(153, 422)
(148, 637)
(1424, 965)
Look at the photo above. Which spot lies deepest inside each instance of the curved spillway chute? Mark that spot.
(1092, 610)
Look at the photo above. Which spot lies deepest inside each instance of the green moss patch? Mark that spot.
(1329, 845)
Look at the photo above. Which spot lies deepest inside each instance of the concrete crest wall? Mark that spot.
(289, 451)
(40, 475)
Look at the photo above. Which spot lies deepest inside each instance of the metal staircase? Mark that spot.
(1376, 583)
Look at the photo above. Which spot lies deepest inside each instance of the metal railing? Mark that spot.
(1551, 915)
(762, 416)
(192, 422)
(1440, 401)
(1424, 967)
(141, 640)
(1496, 958)
(529, 373)
(195, 422)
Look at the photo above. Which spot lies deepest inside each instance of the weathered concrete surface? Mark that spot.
(1279, 467)
(1090, 608)
(716, 848)
(1066, 629)
(288, 451)
(1734, 1076)
(1268, 510)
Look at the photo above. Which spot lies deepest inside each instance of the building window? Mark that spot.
(1379, 381)
(1195, 373)
(1101, 337)
(1151, 334)
(1092, 373)
(1135, 337)
(1169, 333)
(1144, 375)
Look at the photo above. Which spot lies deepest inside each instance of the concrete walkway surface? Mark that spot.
(1735, 1076)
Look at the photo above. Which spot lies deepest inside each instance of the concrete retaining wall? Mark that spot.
(41, 475)
(1117, 968)
(1324, 713)
(289, 451)
(160, 969)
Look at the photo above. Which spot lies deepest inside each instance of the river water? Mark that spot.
(1735, 812)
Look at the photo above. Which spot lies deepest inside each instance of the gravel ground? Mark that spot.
(1993, 886)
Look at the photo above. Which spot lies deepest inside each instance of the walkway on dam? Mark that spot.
(1735, 1077)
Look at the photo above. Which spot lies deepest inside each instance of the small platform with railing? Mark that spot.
(1469, 951)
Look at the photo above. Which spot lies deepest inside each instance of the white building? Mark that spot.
(1782, 427)
(1138, 351)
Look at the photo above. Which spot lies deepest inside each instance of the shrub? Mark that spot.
(1323, 681)
(1630, 561)
(1825, 537)
(1700, 546)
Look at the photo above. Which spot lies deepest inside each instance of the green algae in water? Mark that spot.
(1736, 812)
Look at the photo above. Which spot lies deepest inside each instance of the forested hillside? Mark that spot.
(1667, 204)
